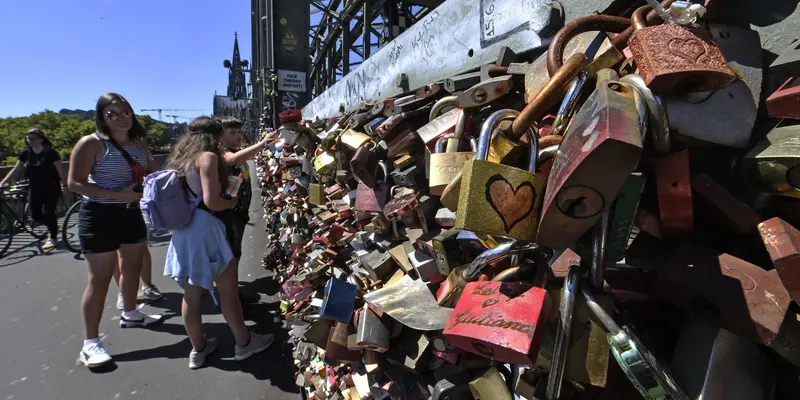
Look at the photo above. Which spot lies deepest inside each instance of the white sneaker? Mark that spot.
(94, 356)
(120, 302)
(198, 358)
(140, 320)
(258, 343)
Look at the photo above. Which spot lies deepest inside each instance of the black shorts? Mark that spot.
(104, 227)
(234, 230)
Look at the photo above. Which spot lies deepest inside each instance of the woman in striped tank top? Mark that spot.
(101, 172)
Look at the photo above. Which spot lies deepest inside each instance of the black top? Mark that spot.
(39, 168)
(245, 193)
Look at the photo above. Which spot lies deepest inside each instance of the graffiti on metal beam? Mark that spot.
(444, 43)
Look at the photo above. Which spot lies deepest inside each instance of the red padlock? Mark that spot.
(499, 320)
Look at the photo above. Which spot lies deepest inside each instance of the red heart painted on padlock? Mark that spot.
(690, 48)
(511, 204)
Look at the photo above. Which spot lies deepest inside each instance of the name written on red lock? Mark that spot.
(499, 320)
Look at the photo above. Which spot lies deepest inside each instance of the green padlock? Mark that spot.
(498, 199)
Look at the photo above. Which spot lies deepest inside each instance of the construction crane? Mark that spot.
(160, 110)
(175, 117)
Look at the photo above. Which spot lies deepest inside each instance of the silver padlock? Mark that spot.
(569, 293)
(648, 376)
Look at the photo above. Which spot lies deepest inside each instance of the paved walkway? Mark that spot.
(42, 334)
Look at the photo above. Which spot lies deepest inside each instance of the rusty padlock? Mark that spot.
(674, 58)
(606, 133)
(783, 102)
(496, 199)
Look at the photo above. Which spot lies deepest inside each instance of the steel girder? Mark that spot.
(349, 31)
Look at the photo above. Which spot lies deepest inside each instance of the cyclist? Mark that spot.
(106, 168)
(199, 254)
(45, 177)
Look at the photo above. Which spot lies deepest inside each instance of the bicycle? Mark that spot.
(69, 228)
(13, 221)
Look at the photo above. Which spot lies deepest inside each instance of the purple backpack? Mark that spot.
(165, 202)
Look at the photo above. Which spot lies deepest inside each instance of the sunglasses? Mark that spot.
(113, 115)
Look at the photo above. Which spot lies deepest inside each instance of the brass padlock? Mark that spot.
(606, 135)
(674, 58)
(316, 192)
(775, 162)
(325, 162)
(445, 166)
(496, 199)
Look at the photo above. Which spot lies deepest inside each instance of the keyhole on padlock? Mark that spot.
(575, 207)
(479, 95)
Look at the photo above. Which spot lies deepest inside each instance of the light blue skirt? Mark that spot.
(198, 252)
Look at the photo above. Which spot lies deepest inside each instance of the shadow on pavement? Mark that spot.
(275, 364)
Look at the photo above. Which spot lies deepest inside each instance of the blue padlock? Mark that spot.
(340, 299)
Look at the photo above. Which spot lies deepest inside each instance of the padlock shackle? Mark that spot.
(657, 113)
(600, 313)
(548, 153)
(473, 271)
(605, 23)
(599, 242)
(485, 136)
(569, 104)
(439, 146)
(440, 105)
(385, 169)
(440, 143)
(639, 17)
(549, 95)
(569, 293)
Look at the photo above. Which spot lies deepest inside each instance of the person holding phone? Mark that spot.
(199, 254)
(107, 168)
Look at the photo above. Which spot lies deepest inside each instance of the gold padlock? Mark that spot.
(498, 199)
(325, 162)
(353, 139)
(446, 166)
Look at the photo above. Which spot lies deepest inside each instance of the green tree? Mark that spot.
(64, 131)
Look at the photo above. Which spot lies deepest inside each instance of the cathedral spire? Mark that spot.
(237, 88)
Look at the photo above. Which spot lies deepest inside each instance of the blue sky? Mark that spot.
(157, 53)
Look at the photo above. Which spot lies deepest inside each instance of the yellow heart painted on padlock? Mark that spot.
(689, 48)
(511, 204)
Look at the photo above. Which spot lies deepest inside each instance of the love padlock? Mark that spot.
(499, 320)
(497, 199)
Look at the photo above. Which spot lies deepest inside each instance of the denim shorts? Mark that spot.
(105, 227)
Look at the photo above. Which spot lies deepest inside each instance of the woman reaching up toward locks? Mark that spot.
(199, 254)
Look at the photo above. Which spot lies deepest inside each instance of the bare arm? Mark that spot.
(81, 161)
(59, 166)
(241, 156)
(11, 173)
(209, 179)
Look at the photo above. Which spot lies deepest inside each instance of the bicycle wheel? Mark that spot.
(36, 229)
(69, 229)
(6, 233)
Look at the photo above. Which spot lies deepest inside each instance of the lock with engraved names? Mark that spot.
(499, 320)
(496, 199)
